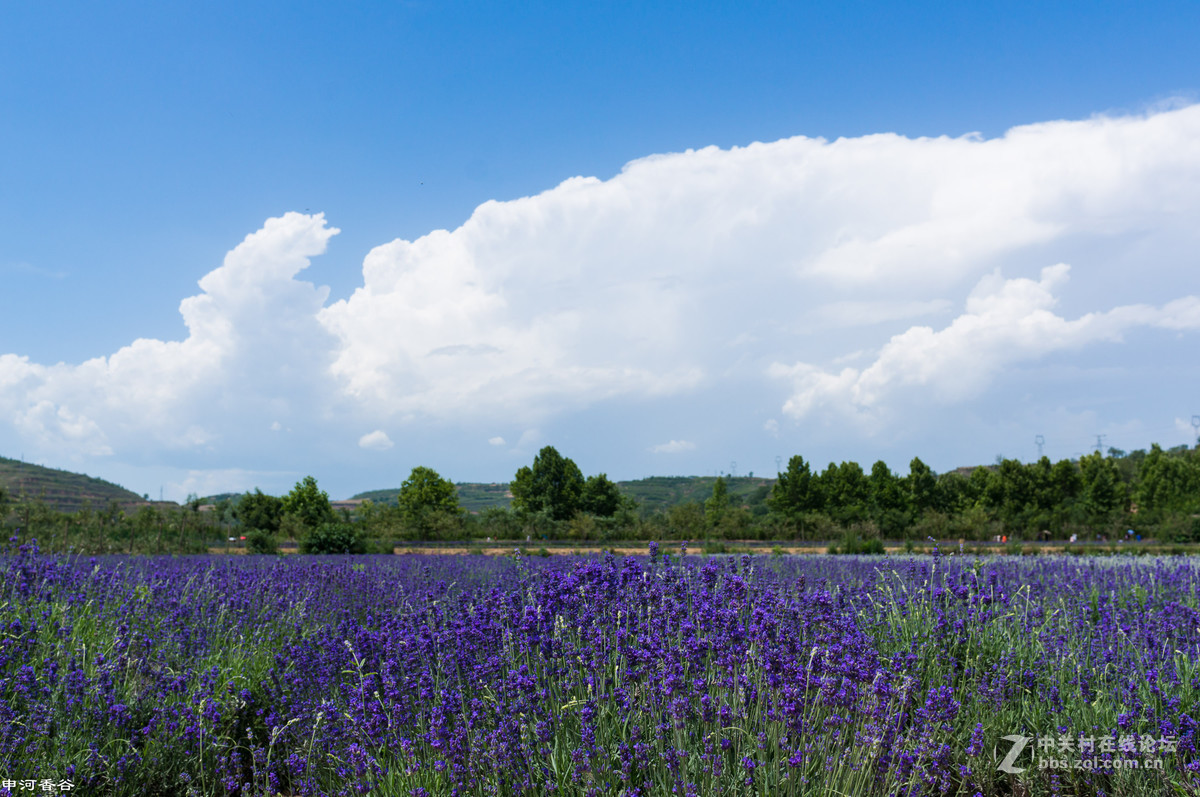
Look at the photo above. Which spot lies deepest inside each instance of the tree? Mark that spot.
(258, 511)
(718, 503)
(1168, 483)
(887, 501)
(333, 538)
(793, 493)
(922, 486)
(308, 503)
(553, 485)
(846, 492)
(600, 496)
(426, 500)
(1103, 493)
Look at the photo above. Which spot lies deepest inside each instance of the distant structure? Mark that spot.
(1040, 441)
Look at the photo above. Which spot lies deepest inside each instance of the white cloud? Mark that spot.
(851, 313)
(529, 440)
(681, 279)
(1006, 322)
(217, 481)
(673, 447)
(771, 427)
(375, 441)
(253, 342)
(496, 441)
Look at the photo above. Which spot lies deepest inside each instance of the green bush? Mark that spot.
(330, 538)
(853, 544)
(260, 541)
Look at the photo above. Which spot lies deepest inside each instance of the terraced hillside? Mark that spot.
(471, 496)
(664, 492)
(60, 489)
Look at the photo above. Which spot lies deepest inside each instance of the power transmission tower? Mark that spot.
(1040, 441)
(1100, 442)
(1196, 428)
(733, 469)
(778, 463)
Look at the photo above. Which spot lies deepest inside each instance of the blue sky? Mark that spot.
(846, 230)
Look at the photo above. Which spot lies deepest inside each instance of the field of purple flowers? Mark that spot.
(577, 676)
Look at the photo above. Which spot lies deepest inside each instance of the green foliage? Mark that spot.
(333, 538)
(1169, 483)
(308, 503)
(498, 523)
(686, 521)
(62, 491)
(261, 542)
(553, 485)
(1104, 495)
(258, 511)
(793, 493)
(600, 496)
(859, 540)
(717, 504)
(886, 492)
(844, 492)
(428, 503)
(922, 487)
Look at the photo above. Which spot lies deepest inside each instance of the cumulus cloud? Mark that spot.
(253, 341)
(496, 441)
(673, 447)
(787, 273)
(375, 441)
(1006, 322)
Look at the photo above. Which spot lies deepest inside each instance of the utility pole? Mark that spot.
(1040, 441)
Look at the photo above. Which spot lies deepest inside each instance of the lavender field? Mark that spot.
(661, 674)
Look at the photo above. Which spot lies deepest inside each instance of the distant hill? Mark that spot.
(61, 489)
(663, 492)
(212, 499)
(653, 493)
(471, 496)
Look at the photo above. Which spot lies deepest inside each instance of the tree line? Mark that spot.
(1155, 493)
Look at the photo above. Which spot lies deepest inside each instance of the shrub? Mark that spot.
(852, 544)
(333, 538)
(260, 541)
